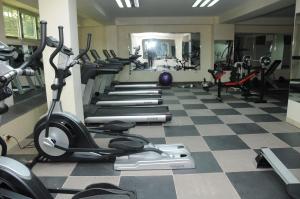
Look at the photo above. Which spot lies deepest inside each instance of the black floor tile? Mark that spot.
(171, 102)
(274, 110)
(247, 128)
(168, 93)
(282, 104)
(229, 98)
(210, 101)
(53, 183)
(206, 120)
(289, 157)
(177, 131)
(293, 139)
(263, 118)
(150, 187)
(95, 169)
(240, 105)
(180, 90)
(178, 113)
(194, 106)
(258, 185)
(186, 97)
(205, 163)
(225, 142)
(225, 112)
(201, 93)
(157, 140)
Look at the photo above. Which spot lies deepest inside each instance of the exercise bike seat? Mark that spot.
(126, 144)
(104, 190)
(118, 126)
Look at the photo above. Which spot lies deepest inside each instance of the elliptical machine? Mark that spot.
(16, 180)
(61, 136)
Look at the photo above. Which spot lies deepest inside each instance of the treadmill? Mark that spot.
(131, 89)
(131, 59)
(90, 71)
(95, 115)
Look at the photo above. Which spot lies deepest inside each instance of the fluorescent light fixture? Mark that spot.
(213, 3)
(136, 3)
(204, 3)
(128, 3)
(197, 2)
(120, 4)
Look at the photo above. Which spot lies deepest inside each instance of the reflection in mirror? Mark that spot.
(166, 51)
(275, 46)
(27, 86)
(223, 53)
(295, 69)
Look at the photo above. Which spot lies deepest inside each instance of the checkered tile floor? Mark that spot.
(223, 137)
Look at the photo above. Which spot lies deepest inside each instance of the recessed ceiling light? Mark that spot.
(136, 3)
(128, 3)
(197, 2)
(120, 4)
(213, 3)
(204, 3)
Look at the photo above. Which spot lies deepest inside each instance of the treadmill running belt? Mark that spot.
(92, 110)
(126, 97)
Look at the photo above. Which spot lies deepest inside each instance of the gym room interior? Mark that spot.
(150, 99)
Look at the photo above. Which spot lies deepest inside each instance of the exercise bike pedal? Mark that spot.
(126, 144)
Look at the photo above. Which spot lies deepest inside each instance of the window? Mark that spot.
(29, 26)
(11, 22)
(19, 23)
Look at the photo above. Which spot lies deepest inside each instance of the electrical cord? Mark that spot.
(27, 146)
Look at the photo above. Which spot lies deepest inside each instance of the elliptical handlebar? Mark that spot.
(41, 47)
(58, 49)
(88, 46)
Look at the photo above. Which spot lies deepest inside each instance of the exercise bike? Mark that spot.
(61, 136)
(16, 180)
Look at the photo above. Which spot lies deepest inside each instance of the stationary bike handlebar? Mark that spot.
(41, 47)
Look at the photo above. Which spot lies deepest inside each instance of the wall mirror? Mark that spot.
(166, 51)
(295, 68)
(275, 45)
(223, 53)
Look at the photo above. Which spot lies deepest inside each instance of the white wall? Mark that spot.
(98, 35)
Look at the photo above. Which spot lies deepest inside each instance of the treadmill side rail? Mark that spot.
(129, 102)
(139, 119)
(266, 157)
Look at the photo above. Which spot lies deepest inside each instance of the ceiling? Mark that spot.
(108, 10)
(285, 12)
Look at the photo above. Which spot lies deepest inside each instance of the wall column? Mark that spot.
(56, 13)
(294, 106)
